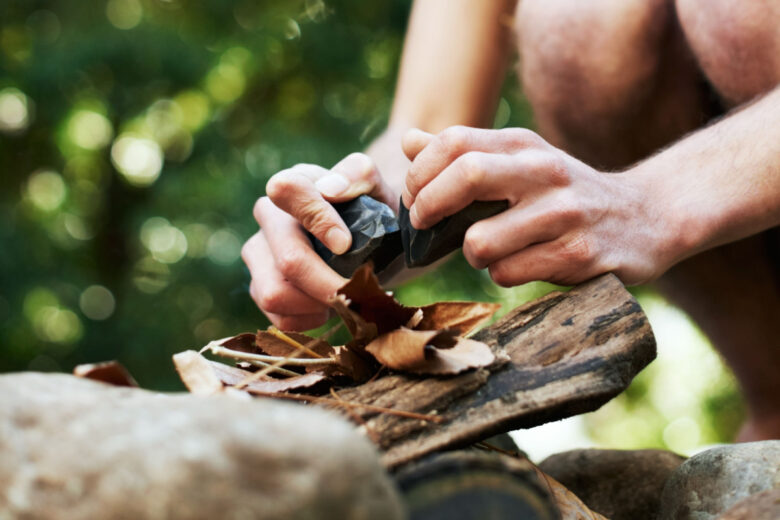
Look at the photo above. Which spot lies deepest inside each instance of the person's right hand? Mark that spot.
(290, 282)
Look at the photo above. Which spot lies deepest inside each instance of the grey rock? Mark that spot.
(711, 482)
(761, 506)
(619, 484)
(72, 448)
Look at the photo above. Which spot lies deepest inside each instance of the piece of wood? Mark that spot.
(569, 353)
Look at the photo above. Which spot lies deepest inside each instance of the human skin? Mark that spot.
(610, 82)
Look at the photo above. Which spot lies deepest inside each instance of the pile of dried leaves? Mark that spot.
(426, 340)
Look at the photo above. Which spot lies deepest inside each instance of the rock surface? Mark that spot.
(711, 482)
(761, 506)
(619, 484)
(72, 448)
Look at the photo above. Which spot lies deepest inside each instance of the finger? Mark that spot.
(566, 260)
(294, 257)
(293, 192)
(487, 176)
(456, 141)
(354, 175)
(297, 323)
(268, 289)
(472, 176)
(499, 236)
(413, 142)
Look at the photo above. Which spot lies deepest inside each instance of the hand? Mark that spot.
(566, 221)
(290, 283)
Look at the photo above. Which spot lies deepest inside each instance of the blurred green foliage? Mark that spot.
(135, 137)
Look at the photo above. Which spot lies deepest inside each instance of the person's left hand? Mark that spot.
(566, 221)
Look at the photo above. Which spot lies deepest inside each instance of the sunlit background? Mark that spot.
(135, 136)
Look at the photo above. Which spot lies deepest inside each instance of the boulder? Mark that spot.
(619, 484)
(711, 482)
(761, 506)
(72, 448)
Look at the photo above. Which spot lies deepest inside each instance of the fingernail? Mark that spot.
(415, 220)
(337, 241)
(332, 185)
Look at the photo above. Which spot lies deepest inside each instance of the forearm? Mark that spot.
(719, 184)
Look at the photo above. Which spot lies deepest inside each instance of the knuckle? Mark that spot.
(525, 137)
(500, 274)
(290, 263)
(569, 211)
(455, 138)
(557, 170)
(472, 170)
(477, 247)
(577, 250)
(271, 299)
(312, 217)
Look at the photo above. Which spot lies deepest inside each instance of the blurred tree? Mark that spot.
(135, 136)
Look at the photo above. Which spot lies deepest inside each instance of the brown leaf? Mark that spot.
(111, 372)
(462, 317)
(196, 373)
(569, 505)
(361, 330)
(267, 343)
(429, 351)
(231, 376)
(353, 365)
(366, 298)
(205, 377)
(244, 342)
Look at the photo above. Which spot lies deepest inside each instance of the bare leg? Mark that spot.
(612, 81)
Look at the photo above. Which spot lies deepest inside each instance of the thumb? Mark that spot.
(351, 177)
(413, 142)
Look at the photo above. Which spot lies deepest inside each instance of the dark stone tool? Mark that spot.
(425, 246)
(375, 236)
(379, 237)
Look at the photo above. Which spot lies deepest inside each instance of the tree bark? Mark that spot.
(569, 353)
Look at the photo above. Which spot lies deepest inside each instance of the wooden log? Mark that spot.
(569, 353)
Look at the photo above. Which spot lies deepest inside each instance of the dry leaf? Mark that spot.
(360, 329)
(205, 377)
(353, 365)
(569, 505)
(271, 345)
(111, 372)
(429, 351)
(196, 373)
(367, 299)
(232, 376)
(462, 317)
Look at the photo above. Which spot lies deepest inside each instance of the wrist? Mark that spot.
(670, 211)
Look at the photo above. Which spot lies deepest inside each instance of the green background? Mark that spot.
(135, 136)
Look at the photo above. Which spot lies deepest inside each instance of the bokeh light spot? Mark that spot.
(224, 247)
(97, 302)
(46, 190)
(89, 129)
(167, 243)
(139, 160)
(225, 83)
(194, 107)
(14, 110)
(124, 14)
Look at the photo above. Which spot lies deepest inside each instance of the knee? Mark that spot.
(580, 60)
(735, 43)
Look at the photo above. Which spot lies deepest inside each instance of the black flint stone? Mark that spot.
(379, 237)
(425, 246)
(375, 236)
